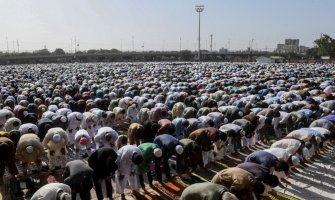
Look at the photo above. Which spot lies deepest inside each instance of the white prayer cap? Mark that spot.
(179, 149)
(56, 138)
(29, 149)
(295, 160)
(158, 152)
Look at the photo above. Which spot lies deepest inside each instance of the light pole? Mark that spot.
(211, 42)
(199, 9)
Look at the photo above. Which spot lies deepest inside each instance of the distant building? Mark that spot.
(293, 42)
(291, 46)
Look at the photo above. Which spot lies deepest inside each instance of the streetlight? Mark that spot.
(199, 9)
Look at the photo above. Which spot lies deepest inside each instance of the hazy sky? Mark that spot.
(162, 24)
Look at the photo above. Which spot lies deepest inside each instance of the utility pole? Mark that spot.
(228, 45)
(13, 46)
(7, 44)
(211, 42)
(75, 45)
(199, 9)
(252, 43)
(18, 46)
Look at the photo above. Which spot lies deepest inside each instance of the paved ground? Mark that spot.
(317, 181)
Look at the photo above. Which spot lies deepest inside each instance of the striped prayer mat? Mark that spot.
(275, 195)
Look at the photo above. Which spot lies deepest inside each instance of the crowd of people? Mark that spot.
(132, 122)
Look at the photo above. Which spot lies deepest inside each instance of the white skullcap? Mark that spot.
(225, 120)
(79, 116)
(64, 195)
(157, 152)
(295, 160)
(56, 138)
(29, 149)
(229, 196)
(63, 119)
(242, 133)
(179, 149)
(25, 113)
(325, 110)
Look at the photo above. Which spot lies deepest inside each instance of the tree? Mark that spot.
(313, 53)
(59, 51)
(92, 51)
(42, 52)
(185, 55)
(115, 51)
(325, 46)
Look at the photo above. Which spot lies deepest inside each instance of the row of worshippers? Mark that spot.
(258, 173)
(263, 169)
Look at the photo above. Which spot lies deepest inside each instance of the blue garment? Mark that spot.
(314, 132)
(275, 99)
(256, 110)
(307, 112)
(178, 123)
(238, 103)
(263, 92)
(329, 118)
(263, 158)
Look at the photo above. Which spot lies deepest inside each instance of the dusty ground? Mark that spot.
(317, 181)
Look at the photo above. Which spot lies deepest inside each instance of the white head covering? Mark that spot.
(295, 160)
(29, 149)
(229, 196)
(56, 138)
(157, 152)
(179, 149)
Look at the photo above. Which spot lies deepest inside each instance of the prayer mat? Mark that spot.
(275, 195)
(148, 194)
(163, 190)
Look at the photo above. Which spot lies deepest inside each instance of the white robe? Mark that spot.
(100, 138)
(291, 145)
(126, 167)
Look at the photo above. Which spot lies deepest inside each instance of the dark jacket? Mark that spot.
(167, 143)
(78, 175)
(7, 156)
(102, 161)
(257, 170)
